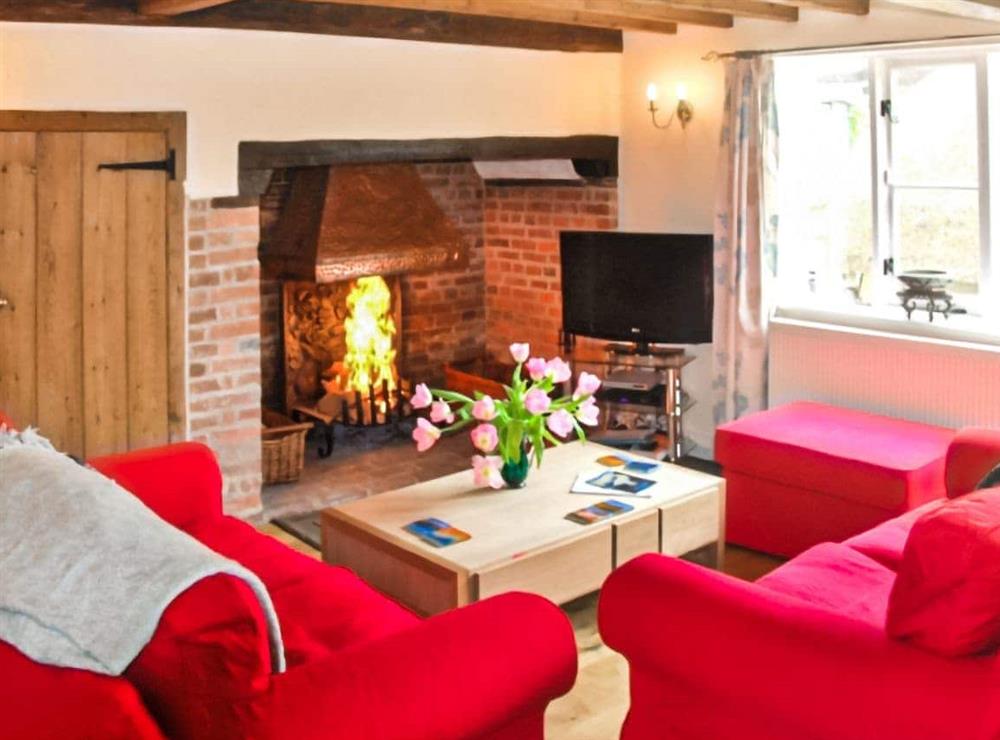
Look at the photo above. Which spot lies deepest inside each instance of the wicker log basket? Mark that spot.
(283, 447)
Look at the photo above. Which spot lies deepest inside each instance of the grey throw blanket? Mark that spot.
(86, 569)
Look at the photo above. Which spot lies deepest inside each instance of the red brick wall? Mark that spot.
(224, 309)
(271, 351)
(523, 289)
(444, 312)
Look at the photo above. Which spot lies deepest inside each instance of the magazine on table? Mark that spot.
(621, 475)
(599, 512)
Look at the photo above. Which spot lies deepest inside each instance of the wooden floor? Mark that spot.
(596, 707)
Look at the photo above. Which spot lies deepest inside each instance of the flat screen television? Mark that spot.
(643, 288)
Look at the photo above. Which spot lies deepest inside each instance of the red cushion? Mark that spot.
(885, 543)
(838, 579)
(876, 460)
(947, 595)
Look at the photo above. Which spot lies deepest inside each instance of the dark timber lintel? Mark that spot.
(593, 156)
(330, 19)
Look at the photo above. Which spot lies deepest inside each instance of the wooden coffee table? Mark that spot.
(520, 538)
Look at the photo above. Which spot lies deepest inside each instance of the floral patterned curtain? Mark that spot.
(745, 238)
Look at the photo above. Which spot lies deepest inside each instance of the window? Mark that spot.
(884, 169)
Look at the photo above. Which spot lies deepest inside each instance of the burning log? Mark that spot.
(360, 381)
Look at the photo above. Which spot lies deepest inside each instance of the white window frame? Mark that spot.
(884, 188)
(987, 64)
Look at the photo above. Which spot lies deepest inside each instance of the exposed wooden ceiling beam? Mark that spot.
(332, 19)
(648, 15)
(176, 7)
(851, 7)
(983, 10)
(746, 8)
(663, 10)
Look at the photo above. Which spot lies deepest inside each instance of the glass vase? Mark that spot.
(515, 472)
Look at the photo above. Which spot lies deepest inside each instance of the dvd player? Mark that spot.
(633, 379)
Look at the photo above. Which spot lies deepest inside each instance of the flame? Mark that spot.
(370, 358)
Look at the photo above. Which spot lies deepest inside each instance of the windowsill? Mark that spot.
(964, 329)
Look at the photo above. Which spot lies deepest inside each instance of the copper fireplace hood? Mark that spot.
(348, 221)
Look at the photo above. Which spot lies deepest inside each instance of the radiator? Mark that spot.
(936, 381)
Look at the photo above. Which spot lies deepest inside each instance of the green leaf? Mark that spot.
(551, 437)
(452, 396)
(538, 447)
(515, 436)
(461, 424)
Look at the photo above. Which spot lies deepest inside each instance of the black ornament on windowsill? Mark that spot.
(927, 290)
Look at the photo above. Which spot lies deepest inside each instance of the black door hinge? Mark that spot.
(889, 266)
(168, 165)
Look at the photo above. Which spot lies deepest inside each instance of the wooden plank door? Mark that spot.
(88, 269)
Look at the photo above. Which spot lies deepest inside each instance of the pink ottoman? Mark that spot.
(807, 473)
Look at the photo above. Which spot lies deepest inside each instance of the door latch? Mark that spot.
(889, 266)
(5, 303)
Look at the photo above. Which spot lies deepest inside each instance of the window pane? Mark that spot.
(825, 177)
(939, 230)
(934, 134)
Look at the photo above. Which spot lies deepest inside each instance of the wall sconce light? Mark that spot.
(684, 112)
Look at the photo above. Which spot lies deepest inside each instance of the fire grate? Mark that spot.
(355, 411)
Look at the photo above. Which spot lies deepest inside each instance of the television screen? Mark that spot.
(645, 288)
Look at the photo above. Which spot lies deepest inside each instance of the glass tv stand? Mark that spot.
(644, 380)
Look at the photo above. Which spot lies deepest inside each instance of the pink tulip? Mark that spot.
(520, 352)
(422, 397)
(536, 368)
(485, 437)
(486, 471)
(484, 409)
(560, 423)
(537, 401)
(586, 385)
(588, 412)
(441, 413)
(558, 370)
(425, 435)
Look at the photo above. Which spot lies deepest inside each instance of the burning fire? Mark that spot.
(370, 358)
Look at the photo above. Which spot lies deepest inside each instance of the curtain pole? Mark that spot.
(750, 53)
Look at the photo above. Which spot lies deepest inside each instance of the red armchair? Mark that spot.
(802, 653)
(359, 665)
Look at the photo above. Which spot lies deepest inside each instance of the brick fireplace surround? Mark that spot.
(510, 291)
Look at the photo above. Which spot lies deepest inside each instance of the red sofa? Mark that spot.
(359, 665)
(801, 653)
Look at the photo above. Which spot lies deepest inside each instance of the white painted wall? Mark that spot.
(668, 178)
(245, 85)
